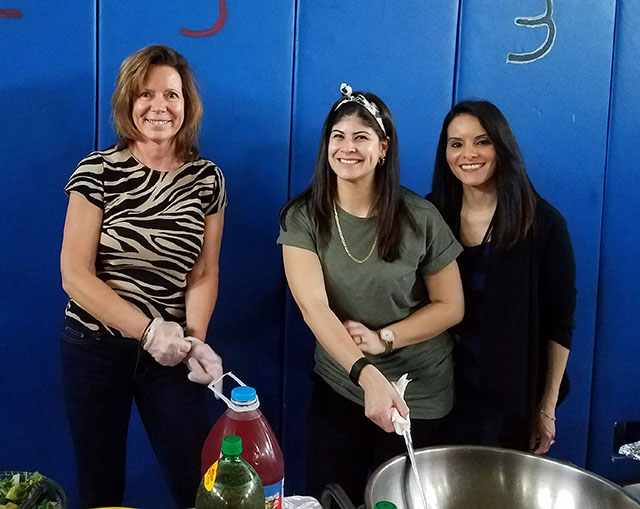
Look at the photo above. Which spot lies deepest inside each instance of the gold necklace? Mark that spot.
(344, 243)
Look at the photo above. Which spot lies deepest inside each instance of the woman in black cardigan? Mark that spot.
(518, 273)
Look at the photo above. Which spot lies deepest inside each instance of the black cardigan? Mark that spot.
(529, 299)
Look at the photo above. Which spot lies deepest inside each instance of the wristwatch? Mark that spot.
(387, 336)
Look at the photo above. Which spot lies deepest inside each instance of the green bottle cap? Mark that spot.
(385, 505)
(231, 445)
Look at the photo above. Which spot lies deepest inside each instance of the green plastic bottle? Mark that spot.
(230, 483)
(385, 505)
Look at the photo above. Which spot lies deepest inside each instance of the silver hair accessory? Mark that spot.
(360, 99)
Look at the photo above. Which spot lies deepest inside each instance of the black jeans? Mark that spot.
(346, 447)
(475, 420)
(102, 375)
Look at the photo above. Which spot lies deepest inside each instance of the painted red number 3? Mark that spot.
(217, 26)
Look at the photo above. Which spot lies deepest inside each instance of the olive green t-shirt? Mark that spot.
(379, 293)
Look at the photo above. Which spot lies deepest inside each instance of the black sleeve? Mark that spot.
(557, 279)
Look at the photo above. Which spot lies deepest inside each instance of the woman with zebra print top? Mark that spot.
(139, 262)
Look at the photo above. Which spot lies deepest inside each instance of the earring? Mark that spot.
(381, 161)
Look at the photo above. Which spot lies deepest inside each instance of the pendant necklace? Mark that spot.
(344, 243)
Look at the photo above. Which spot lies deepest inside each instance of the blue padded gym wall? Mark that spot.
(551, 78)
(546, 64)
(405, 55)
(617, 354)
(47, 96)
(242, 56)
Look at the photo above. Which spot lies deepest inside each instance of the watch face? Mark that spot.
(386, 335)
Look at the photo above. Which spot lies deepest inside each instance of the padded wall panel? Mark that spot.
(47, 100)
(405, 55)
(557, 106)
(617, 352)
(244, 72)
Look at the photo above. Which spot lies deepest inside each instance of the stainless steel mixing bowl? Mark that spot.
(466, 477)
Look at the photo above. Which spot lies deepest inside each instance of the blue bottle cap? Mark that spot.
(243, 394)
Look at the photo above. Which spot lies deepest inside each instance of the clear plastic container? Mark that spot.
(260, 446)
(230, 483)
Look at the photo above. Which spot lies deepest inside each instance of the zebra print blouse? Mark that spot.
(152, 228)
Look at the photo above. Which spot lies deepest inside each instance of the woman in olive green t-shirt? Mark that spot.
(372, 267)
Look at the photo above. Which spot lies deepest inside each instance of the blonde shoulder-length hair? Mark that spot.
(129, 84)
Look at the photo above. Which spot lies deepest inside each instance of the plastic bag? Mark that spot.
(631, 450)
(298, 502)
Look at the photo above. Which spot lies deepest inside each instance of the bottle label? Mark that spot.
(210, 476)
(273, 495)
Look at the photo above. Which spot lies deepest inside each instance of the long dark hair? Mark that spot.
(514, 217)
(387, 205)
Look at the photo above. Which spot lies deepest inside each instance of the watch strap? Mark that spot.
(356, 369)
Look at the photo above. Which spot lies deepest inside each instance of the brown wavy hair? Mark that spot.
(129, 83)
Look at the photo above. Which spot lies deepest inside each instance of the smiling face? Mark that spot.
(470, 152)
(158, 111)
(354, 150)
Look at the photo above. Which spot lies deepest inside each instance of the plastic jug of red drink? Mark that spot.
(260, 447)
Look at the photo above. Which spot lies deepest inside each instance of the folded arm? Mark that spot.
(445, 309)
(305, 277)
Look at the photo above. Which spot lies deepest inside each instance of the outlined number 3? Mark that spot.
(545, 19)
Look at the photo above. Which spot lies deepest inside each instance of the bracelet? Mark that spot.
(145, 333)
(550, 417)
(356, 369)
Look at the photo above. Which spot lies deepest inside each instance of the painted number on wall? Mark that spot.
(545, 19)
(217, 26)
(10, 13)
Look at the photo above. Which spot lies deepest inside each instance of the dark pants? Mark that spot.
(476, 421)
(346, 447)
(102, 375)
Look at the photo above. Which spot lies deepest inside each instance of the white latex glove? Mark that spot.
(165, 342)
(204, 364)
(400, 424)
